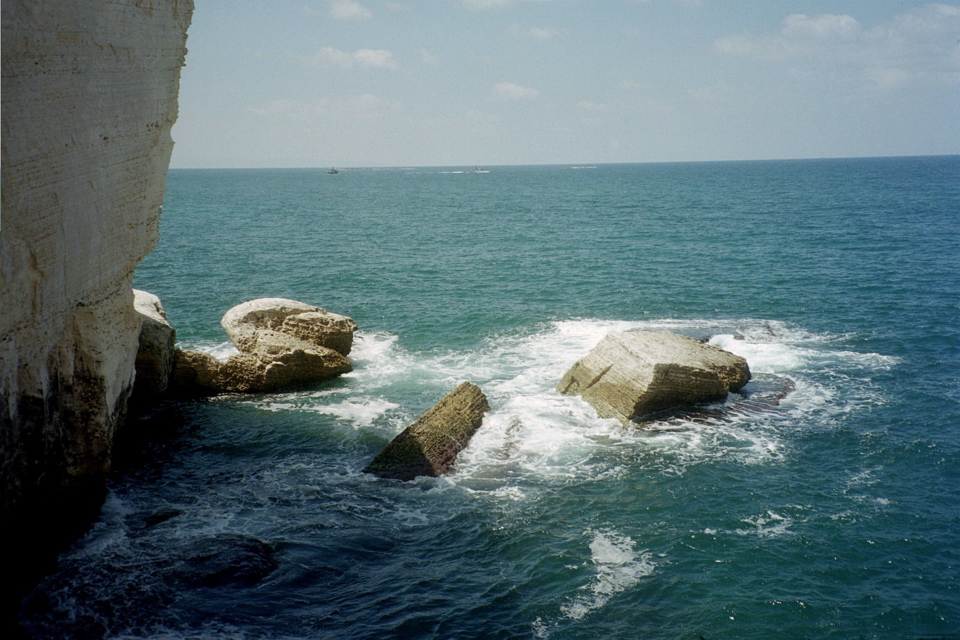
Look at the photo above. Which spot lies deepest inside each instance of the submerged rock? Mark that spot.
(632, 374)
(429, 446)
(224, 560)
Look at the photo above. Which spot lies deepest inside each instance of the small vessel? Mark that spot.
(477, 170)
(332, 170)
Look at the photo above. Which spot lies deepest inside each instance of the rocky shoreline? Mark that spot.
(286, 344)
(86, 148)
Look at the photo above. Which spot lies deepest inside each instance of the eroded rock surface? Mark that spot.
(305, 322)
(284, 343)
(155, 353)
(195, 374)
(89, 98)
(429, 446)
(275, 361)
(632, 374)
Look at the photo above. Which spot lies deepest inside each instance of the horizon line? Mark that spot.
(556, 164)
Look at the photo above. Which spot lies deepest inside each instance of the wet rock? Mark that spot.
(429, 446)
(633, 374)
(195, 374)
(226, 560)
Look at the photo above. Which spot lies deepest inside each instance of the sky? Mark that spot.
(367, 83)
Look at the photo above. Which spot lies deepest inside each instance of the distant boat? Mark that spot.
(332, 170)
(478, 170)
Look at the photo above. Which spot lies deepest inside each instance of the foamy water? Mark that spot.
(821, 502)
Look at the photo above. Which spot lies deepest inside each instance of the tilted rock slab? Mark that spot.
(632, 374)
(89, 98)
(302, 321)
(429, 446)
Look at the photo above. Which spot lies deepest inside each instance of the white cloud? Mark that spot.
(359, 106)
(363, 58)
(712, 93)
(821, 26)
(348, 10)
(511, 91)
(537, 33)
(595, 107)
(693, 4)
(483, 5)
(921, 43)
(310, 11)
(428, 58)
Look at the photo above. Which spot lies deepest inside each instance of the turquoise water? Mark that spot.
(834, 514)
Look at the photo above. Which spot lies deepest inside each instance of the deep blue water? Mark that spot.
(835, 514)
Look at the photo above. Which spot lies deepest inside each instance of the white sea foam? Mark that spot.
(763, 357)
(768, 525)
(618, 566)
(534, 432)
(221, 351)
(360, 411)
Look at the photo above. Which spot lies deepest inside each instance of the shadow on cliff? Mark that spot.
(32, 539)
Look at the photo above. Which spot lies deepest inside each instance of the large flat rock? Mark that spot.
(632, 374)
(429, 446)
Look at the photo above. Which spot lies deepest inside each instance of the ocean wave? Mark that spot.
(801, 380)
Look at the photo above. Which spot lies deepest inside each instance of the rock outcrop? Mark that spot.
(278, 361)
(195, 375)
(632, 374)
(429, 446)
(284, 343)
(155, 352)
(246, 324)
(89, 98)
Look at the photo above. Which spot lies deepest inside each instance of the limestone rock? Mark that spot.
(195, 374)
(284, 343)
(154, 363)
(89, 98)
(305, 322)
(631, 374)
(275, 361)
(429, 446)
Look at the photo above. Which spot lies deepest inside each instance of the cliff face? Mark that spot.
(89, 98)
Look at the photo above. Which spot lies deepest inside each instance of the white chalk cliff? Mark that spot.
(89, 97)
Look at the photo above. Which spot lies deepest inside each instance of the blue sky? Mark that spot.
(317, 83)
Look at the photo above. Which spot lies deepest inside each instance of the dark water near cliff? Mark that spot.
(835, 514)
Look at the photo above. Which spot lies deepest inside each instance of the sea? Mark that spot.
(822, 501)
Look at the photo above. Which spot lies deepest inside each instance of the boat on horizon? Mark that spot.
(477, 169)
(333, 170)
